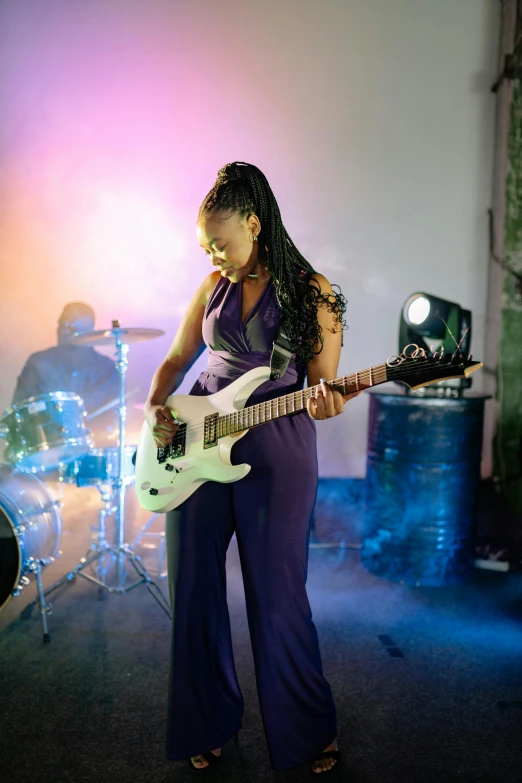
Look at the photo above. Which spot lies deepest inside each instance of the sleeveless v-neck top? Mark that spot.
(235, 347)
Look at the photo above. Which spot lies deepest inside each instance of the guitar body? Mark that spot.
(198, 464)
(200, 450)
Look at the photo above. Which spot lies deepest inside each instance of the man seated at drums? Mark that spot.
(73, 368)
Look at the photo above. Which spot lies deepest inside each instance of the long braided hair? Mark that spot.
(244, 189)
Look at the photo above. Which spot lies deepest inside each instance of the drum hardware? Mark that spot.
(96, 469)
(100, 566)
(120, 551)
(44, 431)
(111, 404)
(30, 529)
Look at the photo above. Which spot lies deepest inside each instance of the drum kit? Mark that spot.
(48, 432)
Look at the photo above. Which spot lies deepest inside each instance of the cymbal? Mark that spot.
(108, 336)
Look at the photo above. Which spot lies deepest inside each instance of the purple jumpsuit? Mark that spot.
(270, 511)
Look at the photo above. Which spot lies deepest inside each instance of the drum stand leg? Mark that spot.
(120, 552)
(45, 608)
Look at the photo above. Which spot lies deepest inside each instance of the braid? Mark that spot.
(244, 189)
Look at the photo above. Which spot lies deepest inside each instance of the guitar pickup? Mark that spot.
(210, 437)
(175, 449)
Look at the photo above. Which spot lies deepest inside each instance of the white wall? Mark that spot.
(373, 121)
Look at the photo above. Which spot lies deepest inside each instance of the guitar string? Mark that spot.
(308, 392)
(397, 371)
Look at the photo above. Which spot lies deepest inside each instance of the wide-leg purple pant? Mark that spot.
(270, 511)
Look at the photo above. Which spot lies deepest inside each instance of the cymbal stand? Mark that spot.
(121, 365)
(99, 532)
(120, 550)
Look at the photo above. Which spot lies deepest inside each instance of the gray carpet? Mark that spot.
(428, 682)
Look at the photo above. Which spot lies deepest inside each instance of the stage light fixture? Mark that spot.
(436, 325)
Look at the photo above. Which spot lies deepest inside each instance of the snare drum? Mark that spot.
(100, 466)
(30, 529)
(45, 431)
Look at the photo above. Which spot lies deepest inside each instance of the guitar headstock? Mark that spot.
(416, 367)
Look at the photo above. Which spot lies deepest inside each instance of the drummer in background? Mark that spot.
(74, 368)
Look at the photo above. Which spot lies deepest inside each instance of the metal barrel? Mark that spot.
(420, 499)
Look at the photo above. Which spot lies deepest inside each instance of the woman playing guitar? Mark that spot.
(260, 277)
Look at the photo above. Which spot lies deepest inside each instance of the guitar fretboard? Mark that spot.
(288, 404)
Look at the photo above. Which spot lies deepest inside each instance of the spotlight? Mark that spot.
(436, 326)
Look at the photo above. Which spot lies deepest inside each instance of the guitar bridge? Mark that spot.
(176, 448)
(210, 437)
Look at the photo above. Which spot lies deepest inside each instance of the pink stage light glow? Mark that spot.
(133, 232)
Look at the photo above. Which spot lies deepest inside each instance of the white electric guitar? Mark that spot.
(209, 426)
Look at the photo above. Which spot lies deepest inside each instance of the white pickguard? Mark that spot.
(198, 464)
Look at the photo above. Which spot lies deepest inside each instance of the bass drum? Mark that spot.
(30, 529)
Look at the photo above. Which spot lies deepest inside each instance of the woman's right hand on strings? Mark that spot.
(161, 423)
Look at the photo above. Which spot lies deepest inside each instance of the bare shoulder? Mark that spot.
(318, 280)
(207, 286)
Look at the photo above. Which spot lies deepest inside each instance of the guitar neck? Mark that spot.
(288, 404)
